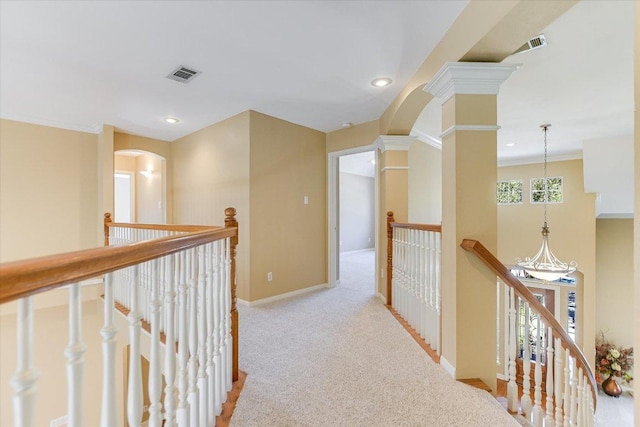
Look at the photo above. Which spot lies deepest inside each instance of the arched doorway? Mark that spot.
(139, 187)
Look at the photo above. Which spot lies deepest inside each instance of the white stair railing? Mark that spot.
(569, 381)
(190, 266)
(413, 277)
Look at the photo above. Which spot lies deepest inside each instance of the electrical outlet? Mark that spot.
(306, 200)
(270, 277)
(382, 272)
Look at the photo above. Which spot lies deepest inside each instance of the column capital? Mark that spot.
(394, 142)
(474, 78)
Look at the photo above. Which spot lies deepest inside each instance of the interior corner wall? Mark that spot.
(572, 225)
(210, 170)
(48, 190)
(123, 141)
(288, 237)
(614, 280)
(353, 137)
(357, 212)
(425, 184)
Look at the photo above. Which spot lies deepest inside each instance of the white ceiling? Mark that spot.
(581, 83)
(82, 64)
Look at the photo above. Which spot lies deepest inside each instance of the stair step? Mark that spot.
(477, 383)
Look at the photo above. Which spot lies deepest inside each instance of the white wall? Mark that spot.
(357, 209)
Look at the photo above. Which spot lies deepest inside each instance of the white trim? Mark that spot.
(332, 210)
(394, 168)
(94, 129)
(577, 155)
(502, 377)
(283, 296)
(381, 298)
(482, 128)
(448, 367)
(474, 78)
(615, 216)
(427, 139)
(394, 142)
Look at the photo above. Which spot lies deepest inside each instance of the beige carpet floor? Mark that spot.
(337, 357)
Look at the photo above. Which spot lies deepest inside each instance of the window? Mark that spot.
(509, 192)
(552, 189)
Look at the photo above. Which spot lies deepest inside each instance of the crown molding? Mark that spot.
(474, 78)
(94, 129)
(427, 139)
(482, 128)
(394, 142)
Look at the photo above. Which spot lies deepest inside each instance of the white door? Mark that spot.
(123, 196)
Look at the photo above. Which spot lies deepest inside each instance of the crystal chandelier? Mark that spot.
(545, 265)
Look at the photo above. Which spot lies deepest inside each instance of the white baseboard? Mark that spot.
(448, 367)
(283, 296)
(381, 297)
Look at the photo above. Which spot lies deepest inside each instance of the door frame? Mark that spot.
(333, 226)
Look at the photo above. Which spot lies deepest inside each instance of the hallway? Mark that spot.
(338, 357)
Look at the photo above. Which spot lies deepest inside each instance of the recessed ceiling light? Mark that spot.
(381, 82)
(346, 125)
(171, 120)
(510, 144)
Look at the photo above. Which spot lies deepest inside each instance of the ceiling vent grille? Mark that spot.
(183, 74)
(534, 43)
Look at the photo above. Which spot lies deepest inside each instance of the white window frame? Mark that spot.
(521, 192)
(546, 190)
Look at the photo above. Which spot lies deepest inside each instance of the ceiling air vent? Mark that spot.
(183, 74)
(533, 43)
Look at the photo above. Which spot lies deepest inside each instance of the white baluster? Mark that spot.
(536, 413)
(567, 390)
(526, 364)
(438, 242)
(558, 381)
(109, 414)
(24, 381)
(512, 386)
(227, 316)
(155, 380)
(182, 414)
(75, 358)
(574, 394)
(211, 405)
(192, 262)
(171, 279)
(134, 393)
(548, 420)
(202, 337)
(580, 402)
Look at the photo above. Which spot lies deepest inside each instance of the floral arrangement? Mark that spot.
(612, 360)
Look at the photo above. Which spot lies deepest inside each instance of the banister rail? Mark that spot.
(521, 290)
(413, 277)
(25, 278)
(180, 280)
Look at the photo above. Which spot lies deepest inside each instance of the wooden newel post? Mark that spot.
(107, 221)
(390, 220)
(230, 221)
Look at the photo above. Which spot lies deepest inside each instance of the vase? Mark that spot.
(611, 387)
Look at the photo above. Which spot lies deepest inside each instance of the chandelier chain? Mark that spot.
(546, 181)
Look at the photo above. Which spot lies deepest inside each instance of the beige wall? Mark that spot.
(353, 137)
(122, 141)
(572, 225)
(288, 238)
(150, 191)
(425, 184)
(614, 280)
(122, 162)
(210, 173)
(636, 239)
(48, 190)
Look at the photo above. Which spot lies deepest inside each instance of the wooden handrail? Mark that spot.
(558, 331)
(230, 222)
(424, 227)
(21, 279)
